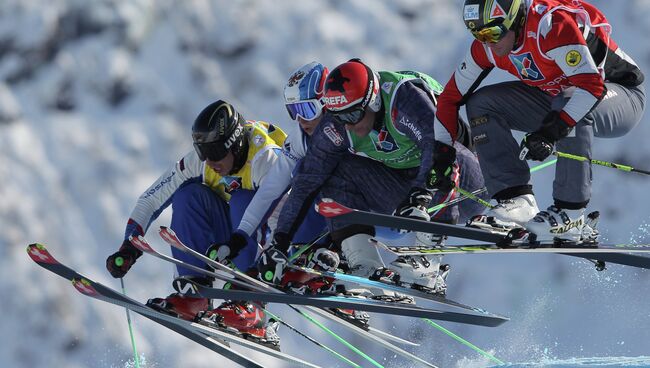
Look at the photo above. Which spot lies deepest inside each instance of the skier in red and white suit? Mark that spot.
(574, 83)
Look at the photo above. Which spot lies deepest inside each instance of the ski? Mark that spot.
(213, 339)
(170, 237)
(141, 243)
(332, 209)
(524, 248)
(325, 301)
(491, 319)
(369, 305)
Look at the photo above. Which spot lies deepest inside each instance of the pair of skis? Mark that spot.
(261, 291)
(623, 254)
(215, 340)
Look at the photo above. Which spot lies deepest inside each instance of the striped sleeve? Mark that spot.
(158, 196)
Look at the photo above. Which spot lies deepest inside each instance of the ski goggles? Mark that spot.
(213, 151)
(307, 109)
(349, 116)
(493, 33)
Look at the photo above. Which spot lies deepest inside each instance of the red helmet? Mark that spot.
(351, 85)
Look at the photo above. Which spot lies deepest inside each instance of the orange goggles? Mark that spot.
(492, 34)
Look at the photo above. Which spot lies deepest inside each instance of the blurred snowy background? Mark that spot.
(97, 99)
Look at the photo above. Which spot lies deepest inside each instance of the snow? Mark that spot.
(97, 98)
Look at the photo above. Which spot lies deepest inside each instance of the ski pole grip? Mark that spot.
(119, 261)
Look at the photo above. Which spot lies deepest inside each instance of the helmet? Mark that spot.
(217, 130)
(490, 20)
(350, 88)
(303, 91)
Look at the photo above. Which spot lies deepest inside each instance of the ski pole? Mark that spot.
(479, 191)
(305, 247)
(339, 338)
(473, 197)
(128, 320)
(454, 201)
(463, 341)
(341, 357)
(473, 194)
(541, 166)
(601, 163)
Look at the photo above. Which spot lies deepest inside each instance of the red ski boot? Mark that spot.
(307, 284)
(244, 319)
(179, 304)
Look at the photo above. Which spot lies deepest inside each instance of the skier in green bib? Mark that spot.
(376, 150)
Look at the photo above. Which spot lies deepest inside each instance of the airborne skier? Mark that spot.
(574, 83)
(374, 149)
(302, 99)
(208, 188)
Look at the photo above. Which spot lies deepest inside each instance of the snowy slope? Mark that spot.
(97, 98)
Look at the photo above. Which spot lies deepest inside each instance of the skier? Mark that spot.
(374, 150)
(302, 95)
(208, 188)
(574, 83)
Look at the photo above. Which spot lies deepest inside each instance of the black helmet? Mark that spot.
(490, 20)
(217, 130)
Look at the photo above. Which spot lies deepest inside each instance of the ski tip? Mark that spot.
(169, 236)
(39, 254)
(84, 286)
(140, 243)
(330, 208)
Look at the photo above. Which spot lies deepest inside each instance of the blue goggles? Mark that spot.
(307, 109)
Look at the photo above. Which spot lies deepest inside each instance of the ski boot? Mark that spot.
(560, 226)
(357, 318)
(589, 232)
(243, 319)
(301, 282)
(182, 304)
(422, 273)
(305, 283)
(508, 214)
(428, 240)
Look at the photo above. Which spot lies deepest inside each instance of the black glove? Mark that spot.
(119, 263)
(538, 145)
(444, 157)
(273, 260)
(226, 252)
(415, 205)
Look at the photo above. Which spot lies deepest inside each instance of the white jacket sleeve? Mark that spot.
(158, 196)
(273, 184)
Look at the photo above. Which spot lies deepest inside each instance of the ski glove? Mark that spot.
(226, 252)
(415, 205)
(538, 145)
(444, 157)
(273, 260)
(119, 263)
